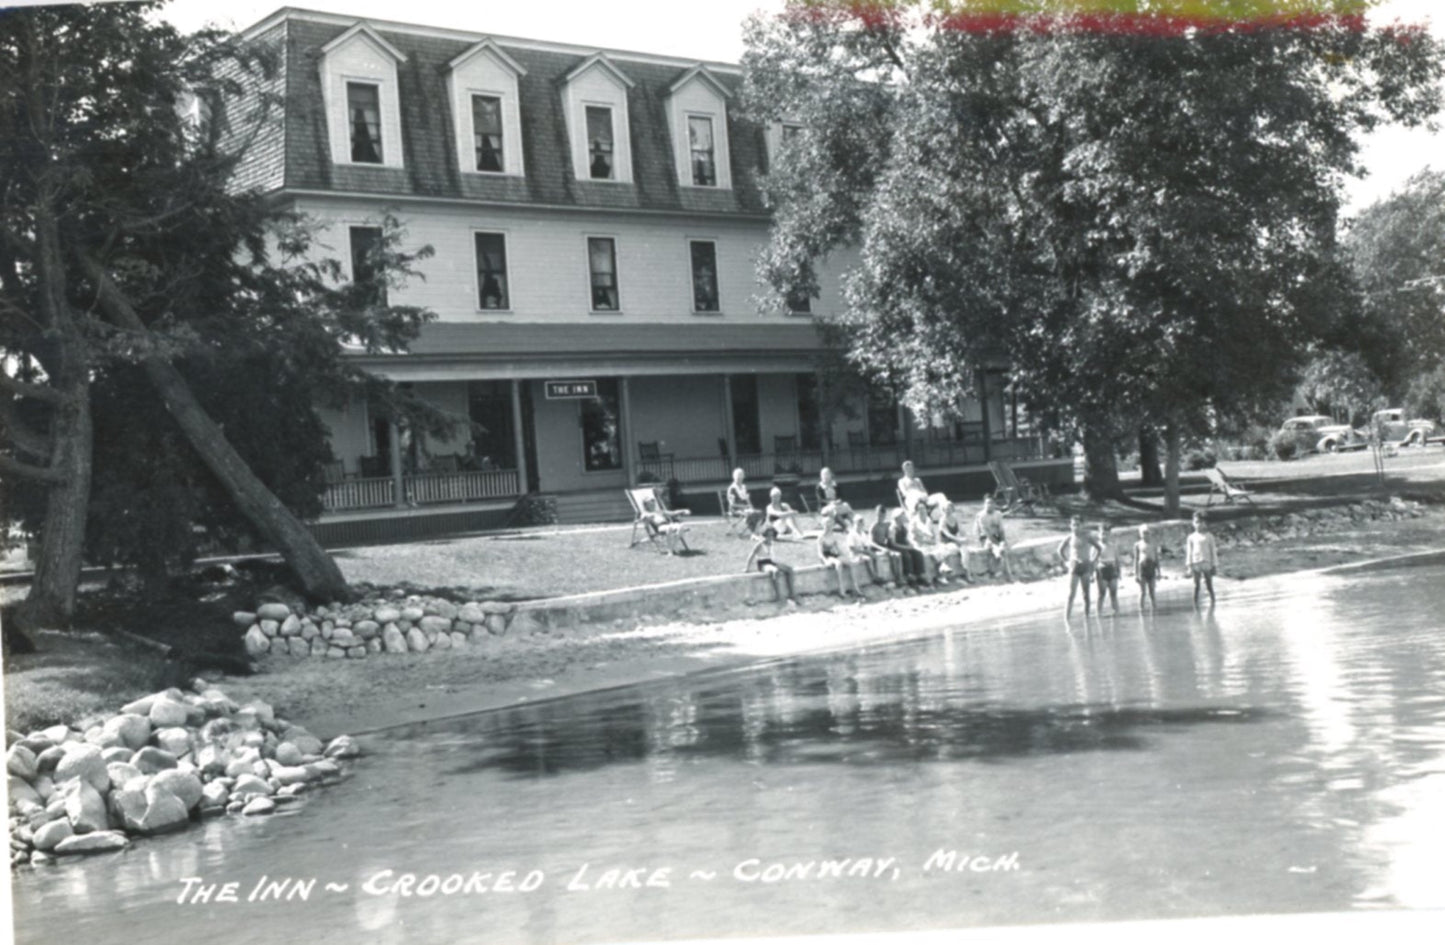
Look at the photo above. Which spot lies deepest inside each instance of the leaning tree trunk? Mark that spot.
(1174, 446)
(1149, 472)
(320, 578)
(51, 601)
(1101, 466)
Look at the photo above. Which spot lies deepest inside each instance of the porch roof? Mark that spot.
(449, 350)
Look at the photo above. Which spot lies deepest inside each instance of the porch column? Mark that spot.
(624, 430)
(398, 486)
(905, 424)
(729, 433)
(980, 382)
(825, 419)
(519, 443)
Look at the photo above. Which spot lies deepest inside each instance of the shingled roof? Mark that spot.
(428, 129)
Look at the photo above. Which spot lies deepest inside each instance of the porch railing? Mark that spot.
(420, 489)
(846, 459)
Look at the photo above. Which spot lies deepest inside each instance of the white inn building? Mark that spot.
(595, 216)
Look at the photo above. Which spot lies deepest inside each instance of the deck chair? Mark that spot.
(1014, 492)
(1219, 482)
(654, 522)
(740, 521)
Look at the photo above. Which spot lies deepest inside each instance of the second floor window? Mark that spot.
(363, 104)
(366, 268)
(602, 265)
(599, 143)
(492, 271)
(699, 141)
(487, 132)
(704, 276)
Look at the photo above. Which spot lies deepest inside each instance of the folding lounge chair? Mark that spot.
(740, 520)
(1014, 492)
(654, 522)
(1218, 482)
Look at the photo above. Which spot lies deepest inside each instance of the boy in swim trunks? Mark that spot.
(988, 529)
(1146, 567)
(1201, 557)
(1107, 568)
(1078, 551)
(780, 574)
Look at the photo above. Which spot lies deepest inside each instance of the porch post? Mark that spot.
(624, 430)
(729, 433)
(906, 425)
(825, 419)
(518, 441)
(980, 381)
(398, 486)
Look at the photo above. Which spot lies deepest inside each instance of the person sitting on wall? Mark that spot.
(923, 535)
(884, 566)
(911, 489)
(915, 571)
(951, 538)
(833, 550)
(780, 574)
(781, 516)
(988, 528)
(740, 502)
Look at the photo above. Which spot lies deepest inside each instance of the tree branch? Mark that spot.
(23, 436)
(13, 467)
(39, 392)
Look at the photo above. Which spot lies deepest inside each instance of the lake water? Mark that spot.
(1285, 754)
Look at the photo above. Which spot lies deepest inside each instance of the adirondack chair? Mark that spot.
(654, 522)
(1219, 482)
(1015, 492)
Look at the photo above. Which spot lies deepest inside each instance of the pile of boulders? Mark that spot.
(377, 624)
(1308, 522)
(163, 761)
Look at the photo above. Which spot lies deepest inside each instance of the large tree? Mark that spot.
(125, 246)
(1138, 211)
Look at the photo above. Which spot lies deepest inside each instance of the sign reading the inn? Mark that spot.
(571, 390)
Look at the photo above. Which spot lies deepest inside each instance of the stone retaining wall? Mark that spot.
(398, 623)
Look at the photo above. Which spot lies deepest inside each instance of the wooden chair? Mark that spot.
(654, 522)
(335, 472)
(1219, 482)
(652, 458)
(446, 463)
(740, 520)
(1015, 492)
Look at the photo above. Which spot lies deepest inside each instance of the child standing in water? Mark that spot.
(1079, 553)
(1108, 568)
(1201, 557)
(1146, 567)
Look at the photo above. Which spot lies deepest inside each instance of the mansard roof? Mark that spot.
(428, 127)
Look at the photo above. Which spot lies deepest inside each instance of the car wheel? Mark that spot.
(1415, 438)
(1331, 446)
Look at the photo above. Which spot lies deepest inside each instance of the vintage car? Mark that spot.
(1321, 434)
(1394, 428)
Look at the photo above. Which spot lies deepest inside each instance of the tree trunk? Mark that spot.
(1101, 466)
(51, 601)
(1149, 472)
(320, 578)
(1174, 446)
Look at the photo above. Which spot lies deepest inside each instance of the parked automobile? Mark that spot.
(1321, 434)
(1394, 428)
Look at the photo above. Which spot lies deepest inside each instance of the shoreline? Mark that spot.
(602, 658)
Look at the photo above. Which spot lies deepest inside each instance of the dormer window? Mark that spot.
(363, 104)
(487, 132)
(600, 160)
(359, 88)
(704, 160)
(697, 116)
(594, 101)
(482, 82)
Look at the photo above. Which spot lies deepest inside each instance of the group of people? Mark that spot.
(1090, 560)
(921, 543)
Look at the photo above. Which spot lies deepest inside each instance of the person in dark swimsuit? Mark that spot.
(780, 574)
(1146, 567)
(1079, 552)
(910, 559)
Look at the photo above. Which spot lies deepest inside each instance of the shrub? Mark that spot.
(1283, 446)
(1199, 458)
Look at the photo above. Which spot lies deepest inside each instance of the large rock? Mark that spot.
(175, 740)
(435, 625)
(269, 627)
(243, 618)
(259, 805)
(117, 755)
(288, 754)
(290, 627)
(290, 774)
(122, 773)
(249, 784)
(496, 624)
(471, 613)
(318, 646)
(164, 811)
(85, 762)
(442, 608)
(392, 640)
(273, 611)
(256, 642)
(416, 641)
(85, 808)
(214, 795)
(458, 639)
(497, 607)
(243, 762)
(20, 761)
(366, 629)
(443, 641)
(128, 806)
(20, 790)
(103, 841)
(343, 746)
(141, 706)
(386, 614)
(185, 785)
(262, 711)
(166, 713)
(343, 637)
(151, 759)
(49, 836)
(412, 613)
